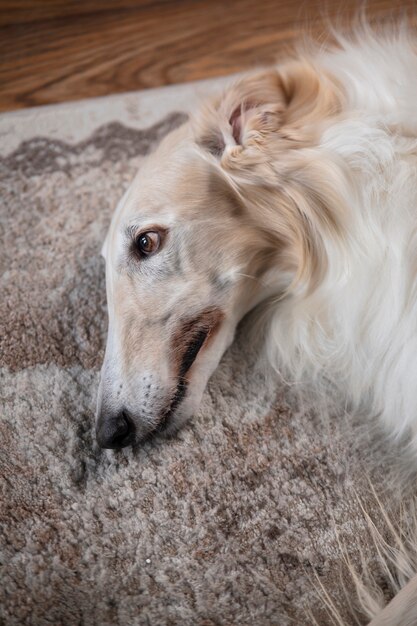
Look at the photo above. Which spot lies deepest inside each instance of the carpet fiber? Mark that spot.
(240, 518)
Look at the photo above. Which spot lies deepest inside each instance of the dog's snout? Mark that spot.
(115, 431)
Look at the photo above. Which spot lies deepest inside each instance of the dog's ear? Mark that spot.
(251, 106)
(278, 104)
(264, 134)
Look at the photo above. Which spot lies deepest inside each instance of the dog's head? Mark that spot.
(215, 221)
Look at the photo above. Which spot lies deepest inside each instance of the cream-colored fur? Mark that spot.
(402, 610)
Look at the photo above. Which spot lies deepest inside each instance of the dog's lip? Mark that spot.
(192, 350)
(189, 357)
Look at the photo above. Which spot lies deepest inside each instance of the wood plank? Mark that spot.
(57, 51)
(29, 11)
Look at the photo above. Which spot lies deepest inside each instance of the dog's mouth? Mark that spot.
(189, 357)
(197, 334)
(192, 351)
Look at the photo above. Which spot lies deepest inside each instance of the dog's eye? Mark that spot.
(147, 243)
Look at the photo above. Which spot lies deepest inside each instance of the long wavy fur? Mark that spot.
(322, 152)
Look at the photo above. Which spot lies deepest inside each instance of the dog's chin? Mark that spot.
(164, 429)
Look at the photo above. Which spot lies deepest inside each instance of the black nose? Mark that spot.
(116, 431)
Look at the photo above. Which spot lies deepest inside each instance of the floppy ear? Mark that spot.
(282, 103)
(251, 106)
(264, 135)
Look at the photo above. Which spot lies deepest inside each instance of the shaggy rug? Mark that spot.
(247, 517)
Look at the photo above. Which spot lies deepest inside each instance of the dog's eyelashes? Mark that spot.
(147, 243)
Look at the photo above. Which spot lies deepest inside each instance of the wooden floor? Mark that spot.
(57, 50)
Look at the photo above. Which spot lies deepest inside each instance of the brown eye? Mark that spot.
(147, 243)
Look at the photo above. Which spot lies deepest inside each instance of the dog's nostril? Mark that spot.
(122, 429)
(116, 432)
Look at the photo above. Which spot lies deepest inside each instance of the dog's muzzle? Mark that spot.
(118, 428)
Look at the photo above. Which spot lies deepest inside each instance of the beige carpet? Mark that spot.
(236, 521)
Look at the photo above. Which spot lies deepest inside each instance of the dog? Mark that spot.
(295, 189)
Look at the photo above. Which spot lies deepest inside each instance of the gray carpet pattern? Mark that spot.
(233, 521)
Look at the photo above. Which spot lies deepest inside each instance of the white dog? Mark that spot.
(298, 188)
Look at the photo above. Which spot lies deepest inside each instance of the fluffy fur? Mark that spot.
(396, 550)
(334, 177)
(358, 324)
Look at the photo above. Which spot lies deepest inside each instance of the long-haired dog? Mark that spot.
(296, 188)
